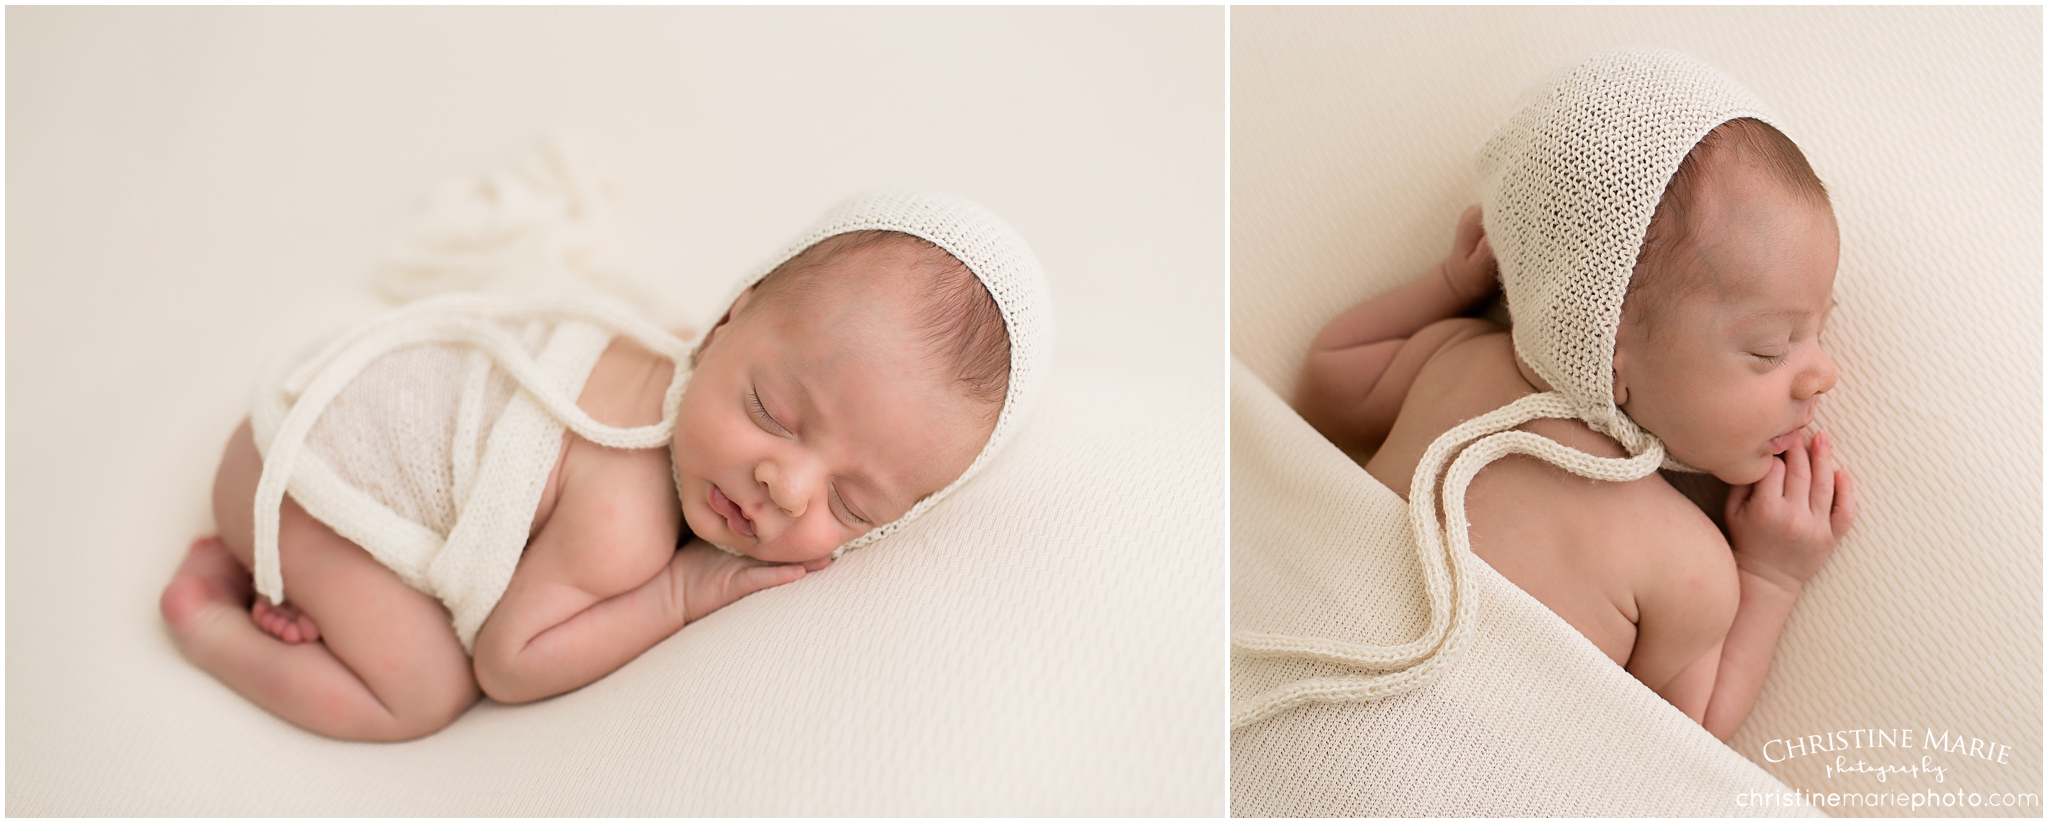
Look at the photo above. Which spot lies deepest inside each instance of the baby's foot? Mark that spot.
(209, 584)
(284, 622)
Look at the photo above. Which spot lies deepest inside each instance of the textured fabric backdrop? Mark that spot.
(191, 190)
(1353, 133)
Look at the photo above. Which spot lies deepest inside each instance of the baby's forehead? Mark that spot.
(871, 325)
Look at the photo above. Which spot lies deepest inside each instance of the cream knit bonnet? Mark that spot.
(996, 256)
(1568, 186)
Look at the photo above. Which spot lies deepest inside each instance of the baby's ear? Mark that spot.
(1620, 367)
(1622, 341)
(738, 303)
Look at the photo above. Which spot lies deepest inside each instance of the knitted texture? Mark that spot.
(1352, 143)
(445, 498)
(537, 225)
(1571, 182)
(1444, 551)
(1530, 719)
(1568, 186)
(999, 259)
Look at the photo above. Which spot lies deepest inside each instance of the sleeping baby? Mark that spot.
(1668, 259)
(485, 496)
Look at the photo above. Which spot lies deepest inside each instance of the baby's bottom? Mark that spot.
(387, 665)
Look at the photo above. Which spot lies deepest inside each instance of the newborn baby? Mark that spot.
(1716, 354)
(850, 388)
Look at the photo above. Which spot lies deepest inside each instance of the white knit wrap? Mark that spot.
(1569, 184)
(496, 463)
(998, 258)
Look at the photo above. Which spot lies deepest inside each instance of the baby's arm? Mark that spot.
(1783, 527)
(591, 595)
(1360, 366)
(558, 637)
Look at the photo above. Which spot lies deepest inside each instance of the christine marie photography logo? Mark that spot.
(1905, 760)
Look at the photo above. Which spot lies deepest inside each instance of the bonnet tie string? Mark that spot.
(463, 319)
(1443, 552)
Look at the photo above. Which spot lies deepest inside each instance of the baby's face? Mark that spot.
(1728, 375)
(812, 420)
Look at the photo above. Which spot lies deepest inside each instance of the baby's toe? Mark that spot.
(183, 600)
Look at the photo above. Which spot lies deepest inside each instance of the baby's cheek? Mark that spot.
(826, 540)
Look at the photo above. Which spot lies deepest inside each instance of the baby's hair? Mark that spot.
(958, 317)
(1667, 282)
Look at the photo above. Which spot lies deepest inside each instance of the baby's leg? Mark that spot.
(387, 666)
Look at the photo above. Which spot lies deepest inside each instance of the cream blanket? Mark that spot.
(1320, 548)
(1352, 155)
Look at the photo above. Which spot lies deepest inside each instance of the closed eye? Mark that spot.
(759, 412)
(855, 517)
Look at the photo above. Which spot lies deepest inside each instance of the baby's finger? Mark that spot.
(1469, 229)
(1482, 255)
(1773, 484)
(755, 578)
(814, 565)
(1844, 514)
(1736, 496)
(1798, 470)
(1822, 500)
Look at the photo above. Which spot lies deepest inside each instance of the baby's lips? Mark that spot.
(735, 519)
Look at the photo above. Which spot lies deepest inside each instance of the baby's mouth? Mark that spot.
(1785, 442)
(734, 518)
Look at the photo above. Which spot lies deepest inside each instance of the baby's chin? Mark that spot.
(1749, 471)
(703, 530)
(1734, 471)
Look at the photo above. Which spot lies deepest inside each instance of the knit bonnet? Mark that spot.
(1568, 186)
(996, 256)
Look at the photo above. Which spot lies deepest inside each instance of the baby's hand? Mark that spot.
(1785, 525)
(710, 579)
(1470, 270)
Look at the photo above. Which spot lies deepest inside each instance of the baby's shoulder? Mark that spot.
(1645, 524)
(1670, 550)
(1470, 371)
(615, 521)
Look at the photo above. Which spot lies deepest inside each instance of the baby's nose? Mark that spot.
(1819, 379)
(784, 489)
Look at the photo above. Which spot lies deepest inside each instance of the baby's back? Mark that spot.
(1596, 553)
